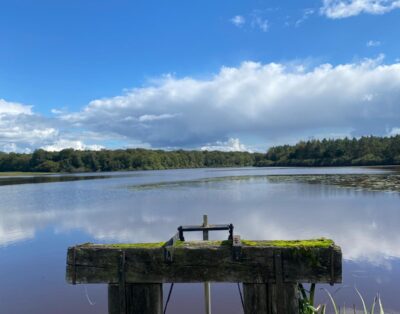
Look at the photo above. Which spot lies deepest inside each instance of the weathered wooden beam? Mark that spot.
(137, 299)
(270, 298)
(318, 261)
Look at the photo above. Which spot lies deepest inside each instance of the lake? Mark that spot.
(41, 217)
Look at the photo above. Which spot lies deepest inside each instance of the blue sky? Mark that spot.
(196, 74)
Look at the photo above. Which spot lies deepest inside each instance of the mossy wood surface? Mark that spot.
(270, 298)
(317, 261)
(138, 299)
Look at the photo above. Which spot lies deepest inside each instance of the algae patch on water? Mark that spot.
(367, 182)
(195, 183)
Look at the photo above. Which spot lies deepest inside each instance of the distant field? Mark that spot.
(16, 174)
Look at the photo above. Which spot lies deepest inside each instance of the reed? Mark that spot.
(307, 306)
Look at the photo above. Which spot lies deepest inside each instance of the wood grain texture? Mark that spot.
(139, 299)
(270, 298)
(200, 262)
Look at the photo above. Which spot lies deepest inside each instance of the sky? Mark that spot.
(226, 75)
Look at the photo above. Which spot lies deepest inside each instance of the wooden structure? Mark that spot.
(269, 270)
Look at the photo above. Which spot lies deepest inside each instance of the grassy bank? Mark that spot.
(23, 173)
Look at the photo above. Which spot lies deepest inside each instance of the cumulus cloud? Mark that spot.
(272, 102)
(75, 144)
(21, 129)
(337, 9)
(394, 131)
(232, 145)
(12, 108)
(238, 20)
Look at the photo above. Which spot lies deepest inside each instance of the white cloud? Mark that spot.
(272, 102)
(75, 144)
(12, 108)
(21, 129)
(152, 117)
(337, 9)
(238, 20)
(306, 14)
(394, 131)
(260, 23)
(368, 97)
(255, 21)
(232, 145)
(373, 43)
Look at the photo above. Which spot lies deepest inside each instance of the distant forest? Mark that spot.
(69, 160)
(341, 152)
(365, 151)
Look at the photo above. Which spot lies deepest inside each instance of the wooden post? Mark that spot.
(207, 286)
(269, 270)
(270, 298)
(138, 299)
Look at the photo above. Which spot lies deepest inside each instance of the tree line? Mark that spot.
(364, 151)
(70, 160)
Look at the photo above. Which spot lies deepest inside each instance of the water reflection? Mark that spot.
(38, 222)
(32, 179)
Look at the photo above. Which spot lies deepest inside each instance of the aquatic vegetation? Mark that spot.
(307, 298)
(369, 182)
(194, 183)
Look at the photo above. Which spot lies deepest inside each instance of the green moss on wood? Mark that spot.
(314, 243)
(322, 243)
(137, 245)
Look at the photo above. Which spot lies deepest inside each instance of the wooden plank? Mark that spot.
(255, 298)
(270, 298)
(139, 299)
(204, 261)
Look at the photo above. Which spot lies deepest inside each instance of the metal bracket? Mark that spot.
(236, 248)
(169, 248)
(332, 266)
(278, 267)
(74, 267)
(205, 228)
(182, 229)
(122, 282)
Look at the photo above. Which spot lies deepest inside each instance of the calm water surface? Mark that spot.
(41, 218)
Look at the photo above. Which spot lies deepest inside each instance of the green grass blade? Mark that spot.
(312, 293)
(362, 300)
(303, 291)
(380, 305)
(333, 302)
(373, 305)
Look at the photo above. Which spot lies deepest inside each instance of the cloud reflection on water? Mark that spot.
(364, 223)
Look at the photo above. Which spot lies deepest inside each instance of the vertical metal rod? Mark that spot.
(207, 287)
